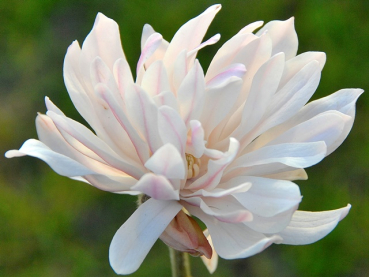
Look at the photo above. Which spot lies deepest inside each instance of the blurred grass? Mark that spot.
(53, 226)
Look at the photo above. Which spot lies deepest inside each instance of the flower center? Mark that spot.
(193, 166)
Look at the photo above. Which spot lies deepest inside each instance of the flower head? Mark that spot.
(223, 146)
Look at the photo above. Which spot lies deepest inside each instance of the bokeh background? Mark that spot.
(53, 226)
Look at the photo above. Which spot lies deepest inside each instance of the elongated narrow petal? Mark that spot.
(61, 164)
(137, 235)
(143, 113)
(195, 144)
(283, 35)
(309, 227)
(190, 34)
(172, 128)
(191, 94)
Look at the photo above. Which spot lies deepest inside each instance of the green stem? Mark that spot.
(180, 263)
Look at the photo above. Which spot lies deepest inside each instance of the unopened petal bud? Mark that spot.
(184, 234)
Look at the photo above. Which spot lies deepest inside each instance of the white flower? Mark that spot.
(222, 146)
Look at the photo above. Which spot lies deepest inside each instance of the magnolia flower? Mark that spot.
(223, 146)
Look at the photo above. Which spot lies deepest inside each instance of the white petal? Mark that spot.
(283, 35)
(190, 35)
(292, 97)
(120, 115)
(268, 197)
(167, 161)
(237, 70)
(166, 98)
(61, 164)
(114, 184)
(219, 101)
(137, 235)
(298, 174)
(195, 144)
(309, 227)
(234, 241)
(251, 27)
(81, 134)
(152, 43)
(103, 41)
(191, 94)
(225, 209)
(143, 113)
(157, 187)
(264, 85)
(123, 77)
(299, 155)
(155, 80)
(295, 64)
(172, 128)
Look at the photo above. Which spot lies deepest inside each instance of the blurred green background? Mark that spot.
(53, 226)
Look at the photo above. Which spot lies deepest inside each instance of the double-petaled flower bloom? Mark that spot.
(223, 146)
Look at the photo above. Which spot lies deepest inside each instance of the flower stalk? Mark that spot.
(180, 262)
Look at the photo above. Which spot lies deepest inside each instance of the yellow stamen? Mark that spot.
(193, 166)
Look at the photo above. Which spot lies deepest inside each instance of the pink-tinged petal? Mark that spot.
(298, 174)
(264, 85)
(137, 235)
(123, 77)
(216, 168)
(72, 130)
(295, 64)
(103, 41)
(219, 101)
(61, 164)
(100, 73)
(269, 197)
(195, 144)
(251, 27)
(78, 92)
(212, 263)
(309, 227)
(155, 79)
(152, 43)
(147, 31)
(157, 187)
(234, 241)
(140, 146)
(191, 55)
(227, 53)
(299, 155)
(167, 161)
(190, 35)
(143, 113)
(51, 137)
(283, 35)
(172, 128)
(237, 70)
(166, 98)
(191, 94)
(179, 70)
